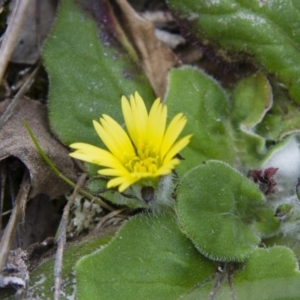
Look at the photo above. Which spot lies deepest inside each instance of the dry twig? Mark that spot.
(109, 216)
(61, 240)
(10, 229)
(8, 112)
(12, 33)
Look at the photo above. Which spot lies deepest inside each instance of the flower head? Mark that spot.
(144, 154)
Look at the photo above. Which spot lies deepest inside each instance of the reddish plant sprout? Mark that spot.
(264, 179)
(298, 189)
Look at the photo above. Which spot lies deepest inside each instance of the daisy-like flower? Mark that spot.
(144, 154)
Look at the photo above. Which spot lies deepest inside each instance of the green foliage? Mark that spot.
(97, 186)
(222, 212)
(87, 75)
(223, 127)
(282, 119)
(151, 258)
(220, 217)
(286, 241)
(148, 258)
(269, 274)
(42, 279)
(206, 107)
(251, 99)
(267, 30)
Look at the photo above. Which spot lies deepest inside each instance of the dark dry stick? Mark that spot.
(219, 278)
(13, 203)
(109, 216)
(10, 108)
(3, 176)
(6, 212)
(230, 282)
(14, 218)
(12, 32)
(61, 240)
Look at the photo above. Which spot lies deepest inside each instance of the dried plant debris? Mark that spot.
(84, 215)
(37, 23)
(15, 141)
(156, 57)
(15, 273)
(39, 252)
(41, 221)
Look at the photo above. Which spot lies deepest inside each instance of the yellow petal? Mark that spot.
(173, 131)
(148, 148)
(115, 182)
(118, 135)
(125, 185)
(110, 139)
(128, 118)
(123, 182)
(156, 123)
(139, 118)
(177, 147)
(168, 167)
(93, 154)
(111, 172)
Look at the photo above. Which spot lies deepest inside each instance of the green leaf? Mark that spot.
(149, 258)
(89, 70)
(267, 30)
(283, 118)
(283, 240)
(206, 107)
(270, 274)
(223, 129)
(222, 212)
(97, 186)
(252, 98)
(42, 278)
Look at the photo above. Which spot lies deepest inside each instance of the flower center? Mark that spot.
(146, 160)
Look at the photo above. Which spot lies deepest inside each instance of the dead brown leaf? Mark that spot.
(156, 57)
(16, 142)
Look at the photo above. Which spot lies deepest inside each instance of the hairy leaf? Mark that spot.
(223, 212)
(89, 70)
(267, 30)
(149, 258)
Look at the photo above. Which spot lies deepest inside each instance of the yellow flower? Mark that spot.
(144, 155)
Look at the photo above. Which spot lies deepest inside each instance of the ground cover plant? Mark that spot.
(168, 146)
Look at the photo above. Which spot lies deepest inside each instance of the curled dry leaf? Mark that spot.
(156, 57)
(15, 141)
